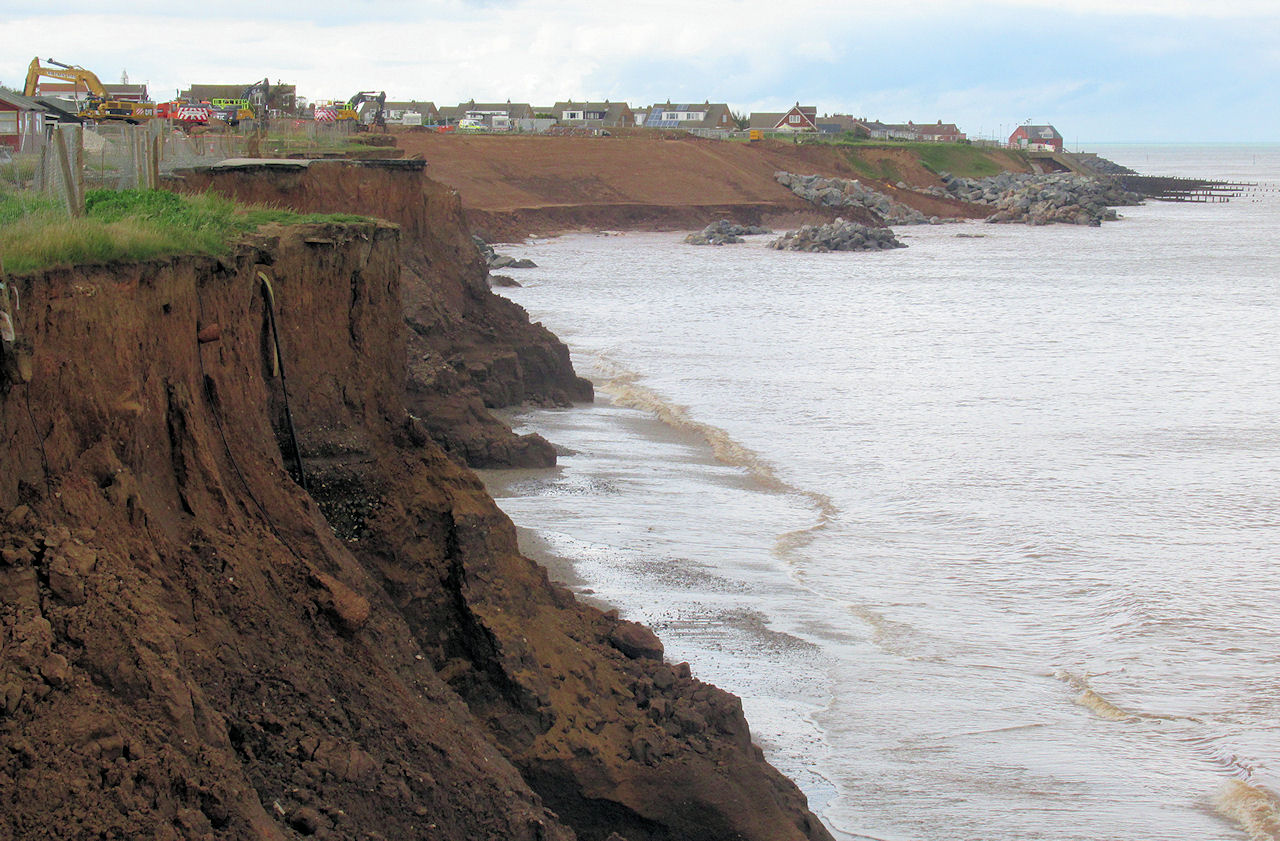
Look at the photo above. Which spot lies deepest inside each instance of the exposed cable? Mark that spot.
(205, 380)
(44, 457)
(269, 295)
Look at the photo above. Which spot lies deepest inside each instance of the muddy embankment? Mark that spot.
(514, 187)
(194, 646)
(517, 186)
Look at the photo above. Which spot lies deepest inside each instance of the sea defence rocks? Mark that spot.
(842, 192)
(839, 235)
(724, 232)
(1041, 199)
(494, 260)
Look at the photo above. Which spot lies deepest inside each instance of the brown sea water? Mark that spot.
(984, 531)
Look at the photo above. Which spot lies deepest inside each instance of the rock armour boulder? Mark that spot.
(1041, 199)
(842, 192)
(839, 235)
(724, 232)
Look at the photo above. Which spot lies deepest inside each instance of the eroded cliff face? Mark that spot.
(468, 349)
(195, 646)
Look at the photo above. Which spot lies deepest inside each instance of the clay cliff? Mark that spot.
(469, 350)
(199, 640)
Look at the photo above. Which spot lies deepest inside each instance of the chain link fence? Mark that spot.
(120, 156)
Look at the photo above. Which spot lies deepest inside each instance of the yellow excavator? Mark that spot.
(99, 105)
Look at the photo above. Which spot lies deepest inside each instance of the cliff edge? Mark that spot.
(246, 593)
(468, 350)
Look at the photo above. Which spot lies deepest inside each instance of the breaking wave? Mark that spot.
(1253, 807)
(1092, 701)
(626, 391)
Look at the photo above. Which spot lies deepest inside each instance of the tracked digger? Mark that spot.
(379, 118)
(99, 104)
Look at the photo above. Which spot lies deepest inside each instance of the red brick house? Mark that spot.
(1041, 138)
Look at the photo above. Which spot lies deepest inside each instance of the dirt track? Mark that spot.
(514, 186)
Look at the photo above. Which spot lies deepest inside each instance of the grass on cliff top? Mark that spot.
(960, 159)
(36, 233)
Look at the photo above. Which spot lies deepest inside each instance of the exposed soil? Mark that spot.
(522, 185)
(468, 349)
(194, 646)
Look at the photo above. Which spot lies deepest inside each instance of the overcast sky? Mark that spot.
(1100, 70)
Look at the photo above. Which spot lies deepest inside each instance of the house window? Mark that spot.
(573, 115)
(794, 119)
(8, 122)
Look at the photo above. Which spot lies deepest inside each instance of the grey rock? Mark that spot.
(724, 232)
(840, 235)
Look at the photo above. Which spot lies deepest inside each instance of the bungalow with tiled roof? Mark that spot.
(449, 115)
(395, 112)
(496, 116)
(593, 114)
(839, 124)
(799, 118)
(704, 116)
(764, 120)
(1036, 137)
(941, 132)
(891, 131)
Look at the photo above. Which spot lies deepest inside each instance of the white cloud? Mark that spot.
(917, 59)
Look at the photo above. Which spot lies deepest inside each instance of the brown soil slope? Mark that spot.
(192, 646)
(527, 185)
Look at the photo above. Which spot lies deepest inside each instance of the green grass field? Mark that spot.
(36, 233)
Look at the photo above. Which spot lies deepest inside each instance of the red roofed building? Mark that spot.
(1036, 137)
(941, 132)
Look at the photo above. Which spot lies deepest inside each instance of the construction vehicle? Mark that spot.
(251, 105)
(258, 95)
(378, 117)
(335, 112)
(185, 114)
(232, 111)
(98, 105)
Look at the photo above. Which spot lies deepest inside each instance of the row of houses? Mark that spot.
(19, 116)
(688, 116)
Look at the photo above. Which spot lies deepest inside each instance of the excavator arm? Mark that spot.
(100, 105)
(379, 99)
(64, 72)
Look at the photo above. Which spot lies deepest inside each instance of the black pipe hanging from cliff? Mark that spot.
(269, 296)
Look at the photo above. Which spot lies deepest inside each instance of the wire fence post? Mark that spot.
(69, 151)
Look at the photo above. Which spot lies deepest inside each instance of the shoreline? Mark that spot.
(1154, 211)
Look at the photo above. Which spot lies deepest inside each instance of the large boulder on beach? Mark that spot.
(840, 235)
(724, 232)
